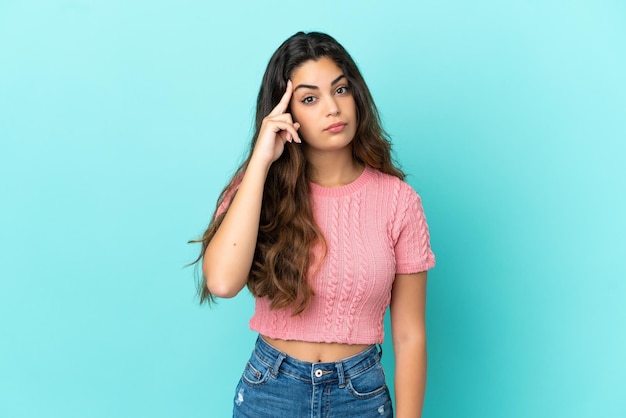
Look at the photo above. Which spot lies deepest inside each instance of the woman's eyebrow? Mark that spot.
(309, 86)
(335, 81)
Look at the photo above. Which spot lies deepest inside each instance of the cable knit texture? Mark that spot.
(374, 228)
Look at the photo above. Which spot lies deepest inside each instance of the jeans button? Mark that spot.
(318, 373)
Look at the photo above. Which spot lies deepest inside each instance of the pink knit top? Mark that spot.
(374, 228)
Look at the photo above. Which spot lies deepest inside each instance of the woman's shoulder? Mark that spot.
(392, 184)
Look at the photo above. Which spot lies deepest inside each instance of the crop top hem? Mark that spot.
(323, 338)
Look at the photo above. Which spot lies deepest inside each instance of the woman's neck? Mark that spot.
(333, 169)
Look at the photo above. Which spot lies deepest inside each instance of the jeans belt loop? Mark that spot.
(342, 377)
(277, 363)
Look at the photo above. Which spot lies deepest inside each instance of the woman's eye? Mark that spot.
(308, 100)
(342, 90)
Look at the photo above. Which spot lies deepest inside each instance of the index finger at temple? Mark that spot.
(281, 107)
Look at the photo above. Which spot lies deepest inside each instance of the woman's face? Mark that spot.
(323, 104)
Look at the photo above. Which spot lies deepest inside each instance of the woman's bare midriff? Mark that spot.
(316, 352)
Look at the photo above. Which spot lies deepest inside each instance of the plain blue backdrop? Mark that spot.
(121, 121)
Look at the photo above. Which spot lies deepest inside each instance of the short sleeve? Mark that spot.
(229, 194)
(412, 248)
(225, 203)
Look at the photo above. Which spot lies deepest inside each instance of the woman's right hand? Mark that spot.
(277, 128)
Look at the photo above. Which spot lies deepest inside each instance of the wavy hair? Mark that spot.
(287, 230)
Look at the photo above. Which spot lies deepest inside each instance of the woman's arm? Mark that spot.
(408, 328)
(228, 256)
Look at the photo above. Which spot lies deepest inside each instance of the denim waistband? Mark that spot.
(316, 373)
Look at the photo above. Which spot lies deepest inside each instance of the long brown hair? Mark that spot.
(287, 230)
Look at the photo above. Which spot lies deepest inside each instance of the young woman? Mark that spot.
(320, 226)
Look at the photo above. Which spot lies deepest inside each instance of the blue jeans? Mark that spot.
(276, 385)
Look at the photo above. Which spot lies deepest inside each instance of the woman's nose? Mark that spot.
(333, 107)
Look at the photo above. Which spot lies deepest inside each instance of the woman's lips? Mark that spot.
(336, 127)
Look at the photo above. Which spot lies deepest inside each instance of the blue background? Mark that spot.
(121, 121)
